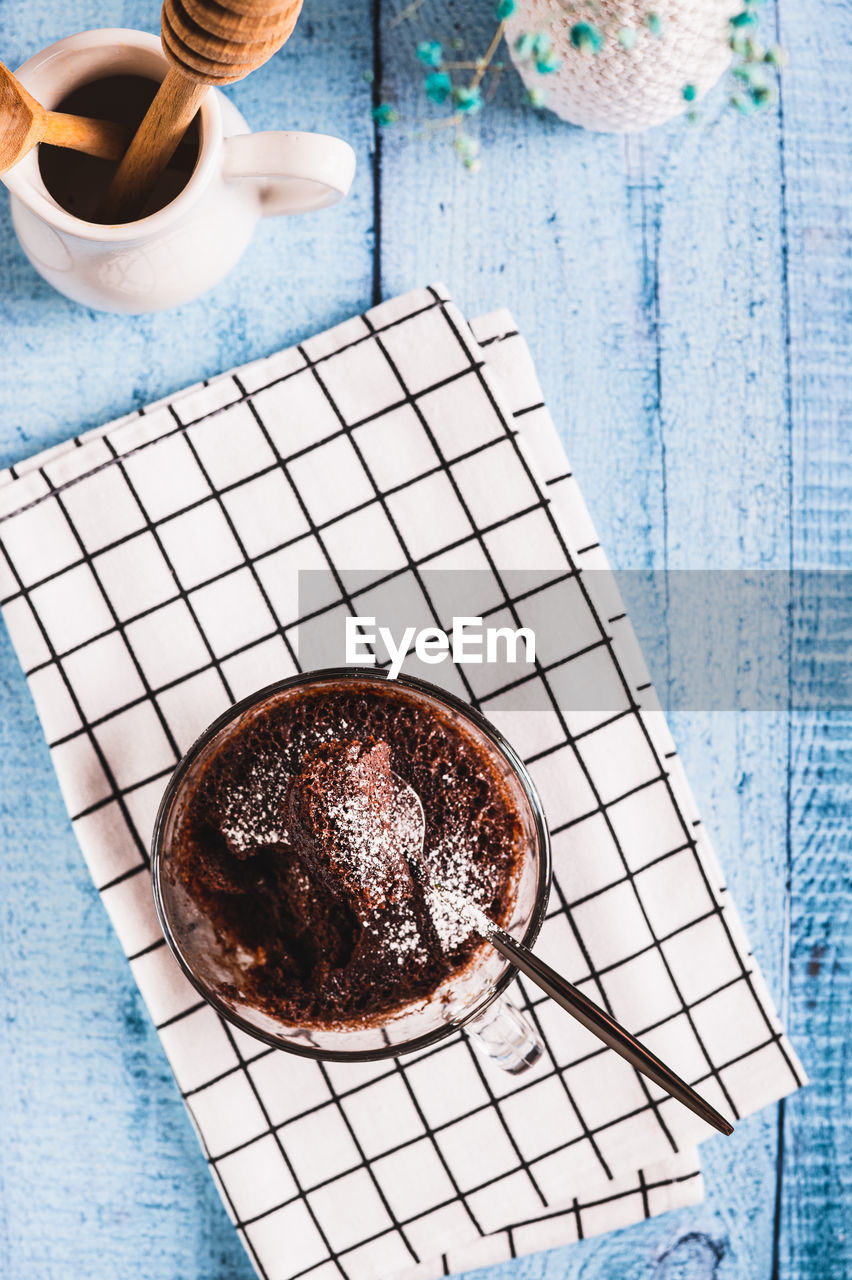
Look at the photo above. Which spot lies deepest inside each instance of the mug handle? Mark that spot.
(505, 1036)
(296, 172)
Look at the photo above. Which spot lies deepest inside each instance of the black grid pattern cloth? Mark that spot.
(149, 577)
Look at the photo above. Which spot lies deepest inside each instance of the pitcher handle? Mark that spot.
(294, 172)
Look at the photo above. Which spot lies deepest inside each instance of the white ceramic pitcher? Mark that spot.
(173, 255)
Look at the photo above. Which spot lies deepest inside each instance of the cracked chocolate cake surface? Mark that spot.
(293, 843)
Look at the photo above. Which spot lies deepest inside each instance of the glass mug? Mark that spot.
(473, 999)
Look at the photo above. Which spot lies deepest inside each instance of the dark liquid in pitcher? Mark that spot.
(79, 182)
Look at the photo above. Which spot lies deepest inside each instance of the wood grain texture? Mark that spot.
(813, 1229)
(686, 296)
(205, 45)
(649, 272)
(100, 1172)
(24, 120)
(100, 138)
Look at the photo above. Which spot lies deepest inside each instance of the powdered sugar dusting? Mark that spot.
(451, 866)
(403, 938)
(254, 808)
(374, 849)
(253, 813)
(460, 911)
(362, 829)
(377, 829)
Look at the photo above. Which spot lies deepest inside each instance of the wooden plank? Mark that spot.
(544, 227)
(101, 1174)
(722, 345)
(813, 1227)
(645, 275)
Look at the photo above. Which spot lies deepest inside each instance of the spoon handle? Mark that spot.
(79, 133)
(153, 145)
(594, 1019)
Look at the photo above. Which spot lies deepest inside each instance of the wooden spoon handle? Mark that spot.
(101, 138)
(156, 140)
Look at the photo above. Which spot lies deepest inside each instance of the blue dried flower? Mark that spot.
(655, 24)
(504, 9)
(742, 104)
(525, 45)
(776, 56)
(385, 114)
(586, 37)
(536, 98)
(744, 21)
(430, 53)
(550, 62)
(626, 38)
(689, 92)
(754, 50)
(438, 86)
(467, 100)
(751, 74)
(466, 147)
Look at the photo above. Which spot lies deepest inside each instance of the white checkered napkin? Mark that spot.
(148, 575)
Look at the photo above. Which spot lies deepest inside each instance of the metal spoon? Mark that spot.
(551, 983)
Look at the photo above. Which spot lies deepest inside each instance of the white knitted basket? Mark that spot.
(621, 90)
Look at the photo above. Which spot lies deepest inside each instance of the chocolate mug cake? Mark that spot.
(293, 846)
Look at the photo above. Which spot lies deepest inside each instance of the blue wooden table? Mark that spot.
(687, 297)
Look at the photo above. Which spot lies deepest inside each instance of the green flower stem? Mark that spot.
(406, 13)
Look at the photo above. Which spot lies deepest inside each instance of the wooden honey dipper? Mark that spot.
(207, 43)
